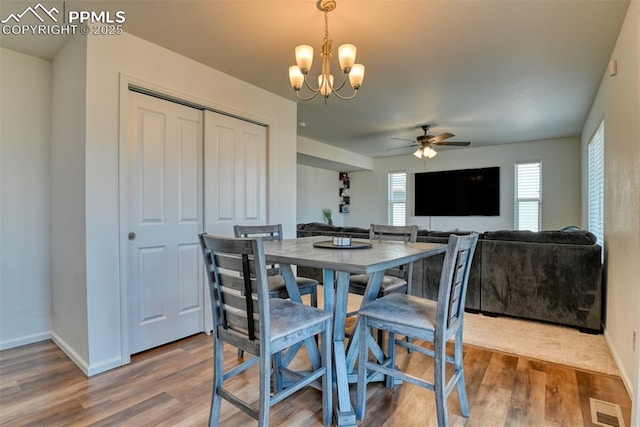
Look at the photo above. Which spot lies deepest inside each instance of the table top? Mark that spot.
(383, 254)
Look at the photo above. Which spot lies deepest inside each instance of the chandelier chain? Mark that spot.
(326, 46)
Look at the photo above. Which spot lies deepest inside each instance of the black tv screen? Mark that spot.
(458, 192)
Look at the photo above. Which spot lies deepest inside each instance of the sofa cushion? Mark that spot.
(355, 230)
(442, 236)
(317, 226)
(448, 233)
(581, 237)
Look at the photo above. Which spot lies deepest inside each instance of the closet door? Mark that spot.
(235, 173)
(162, 199)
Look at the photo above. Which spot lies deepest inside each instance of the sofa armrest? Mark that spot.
(556, 283)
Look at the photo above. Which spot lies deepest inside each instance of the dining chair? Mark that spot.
(395, 280)
(426, 320)
(277, 287)
(246, 317)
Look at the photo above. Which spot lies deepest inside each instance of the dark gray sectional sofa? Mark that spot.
(550, 276)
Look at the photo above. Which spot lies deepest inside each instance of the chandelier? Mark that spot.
(346, 57)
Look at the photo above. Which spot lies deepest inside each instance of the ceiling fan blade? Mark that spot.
(453, 143)
(406, 146)
(441, 137)
(402, 139)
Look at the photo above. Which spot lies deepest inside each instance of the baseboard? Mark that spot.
(71, 353)
(88, 369)
(628, 384)
(24, 340)
(105, 365)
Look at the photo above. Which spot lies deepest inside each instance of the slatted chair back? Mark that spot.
(265, 232)
(453, 283)
(428, 321)
(405, 233)
(245, 316)
(306, 286)
(236, 271)
(402, 233)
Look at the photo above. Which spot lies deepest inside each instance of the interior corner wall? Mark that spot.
(25, 270)
(618, 103)
(560, 184)
(68, 225)
(317, 190)
(108, 60)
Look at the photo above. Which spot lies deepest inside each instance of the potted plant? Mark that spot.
(326, 213)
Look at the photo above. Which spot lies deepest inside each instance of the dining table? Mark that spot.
(338, 262)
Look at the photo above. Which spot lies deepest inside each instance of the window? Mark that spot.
(595, 170)
(397, 192)
(528, 200)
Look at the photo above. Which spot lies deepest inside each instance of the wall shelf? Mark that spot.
(344, 192)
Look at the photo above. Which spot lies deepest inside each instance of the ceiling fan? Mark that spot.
(425, 142)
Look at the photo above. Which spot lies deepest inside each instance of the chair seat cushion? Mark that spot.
(276, 283)
(288, 318)
(402, 309)
(390, 284)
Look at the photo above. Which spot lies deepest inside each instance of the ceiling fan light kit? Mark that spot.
(346, 58)
(425, 151)
(425, 142)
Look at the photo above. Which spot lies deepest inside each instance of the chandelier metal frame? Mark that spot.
(346, 55)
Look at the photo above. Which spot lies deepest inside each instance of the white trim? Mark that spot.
(123, 122)
(71, 353)
(194, 101)
(24, 340)
(86, 368)
(624, 375)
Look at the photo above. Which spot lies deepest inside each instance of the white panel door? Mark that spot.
(235, 180)
(163, 185)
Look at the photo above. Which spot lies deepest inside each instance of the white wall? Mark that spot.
(68, 223)
(560, 184)
(318, 189)
(617, 102)
(108, 59)
(25, 114)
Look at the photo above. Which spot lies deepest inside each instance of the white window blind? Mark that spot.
(595, 167)
(397, 198)
(528, 200)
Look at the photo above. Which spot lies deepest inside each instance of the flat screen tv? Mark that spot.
(462, 192)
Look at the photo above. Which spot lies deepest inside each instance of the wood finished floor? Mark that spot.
(171, 386)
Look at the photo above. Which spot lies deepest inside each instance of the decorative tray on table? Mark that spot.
(342, 243)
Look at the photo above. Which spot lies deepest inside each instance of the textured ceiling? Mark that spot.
(491, 72)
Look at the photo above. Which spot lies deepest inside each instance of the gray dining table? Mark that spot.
(338, 263)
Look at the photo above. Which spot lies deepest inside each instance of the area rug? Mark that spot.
(551, 343)
(536, 340)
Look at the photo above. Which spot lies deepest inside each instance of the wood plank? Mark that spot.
(562, 399)
(527, 407)
(501, 371)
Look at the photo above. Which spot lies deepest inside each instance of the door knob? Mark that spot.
(132, 236)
